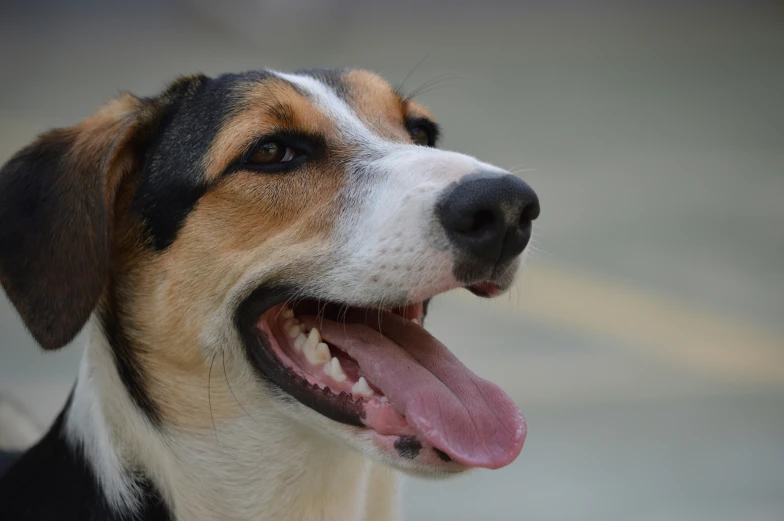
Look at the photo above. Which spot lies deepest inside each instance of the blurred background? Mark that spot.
(644, 342)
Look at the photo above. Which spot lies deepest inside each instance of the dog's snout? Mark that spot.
(488, 216)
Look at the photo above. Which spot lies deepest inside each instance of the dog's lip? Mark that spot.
(487, 288)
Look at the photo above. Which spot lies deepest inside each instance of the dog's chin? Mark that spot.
(366, 441)
(372, 378)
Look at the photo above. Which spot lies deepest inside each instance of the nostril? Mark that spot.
(482, 220)
(530, 211)
(524, 221)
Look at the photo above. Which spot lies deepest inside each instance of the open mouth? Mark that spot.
(379, 369)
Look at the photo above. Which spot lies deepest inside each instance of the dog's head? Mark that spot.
(288, 229)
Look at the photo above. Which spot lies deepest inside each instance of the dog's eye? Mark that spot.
(423, 132)
(270, 153)
(421, 136)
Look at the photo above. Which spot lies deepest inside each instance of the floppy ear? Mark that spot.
(56, 205)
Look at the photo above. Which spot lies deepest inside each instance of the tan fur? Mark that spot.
(245, 221)
(377, 104)
(417, 110)
(111, 128)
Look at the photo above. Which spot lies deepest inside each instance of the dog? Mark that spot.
(252, 256)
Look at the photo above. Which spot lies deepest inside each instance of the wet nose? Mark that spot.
(487, 216)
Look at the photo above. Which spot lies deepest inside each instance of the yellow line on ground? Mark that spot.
(653, 324)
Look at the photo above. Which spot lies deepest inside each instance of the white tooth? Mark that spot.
(322, 353)
(314, 338)
(335, 370)
(310, 352)
(415, 321)
(383, 399)
(300, 341)
(294, 331)
(316, 353)
(287, 313)
(362, 387)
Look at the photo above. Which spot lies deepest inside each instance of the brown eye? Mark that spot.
(420, 136)
(271, 152)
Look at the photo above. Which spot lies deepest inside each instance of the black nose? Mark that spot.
(488, 216)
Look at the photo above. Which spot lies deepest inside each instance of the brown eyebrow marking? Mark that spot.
(377, 104)
(415, 110)
(281, 112)
(263, 107)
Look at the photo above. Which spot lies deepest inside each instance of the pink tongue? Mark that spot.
(450, 407)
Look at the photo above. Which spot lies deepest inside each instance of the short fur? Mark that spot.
(142, 225)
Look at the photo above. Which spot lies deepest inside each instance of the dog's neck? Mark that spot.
(246, 469)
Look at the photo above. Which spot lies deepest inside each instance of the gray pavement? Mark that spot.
(644, 341)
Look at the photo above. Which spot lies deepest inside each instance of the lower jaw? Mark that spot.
(397, 445)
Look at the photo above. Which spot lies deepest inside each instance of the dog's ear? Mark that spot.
(56, 211)
(56, 198)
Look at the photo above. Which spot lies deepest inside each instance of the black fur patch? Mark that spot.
(172, 180)
(54, 482)
(408, 447)
(127, 364)
(172, 176)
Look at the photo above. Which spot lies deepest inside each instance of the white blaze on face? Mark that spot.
(389, 245)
